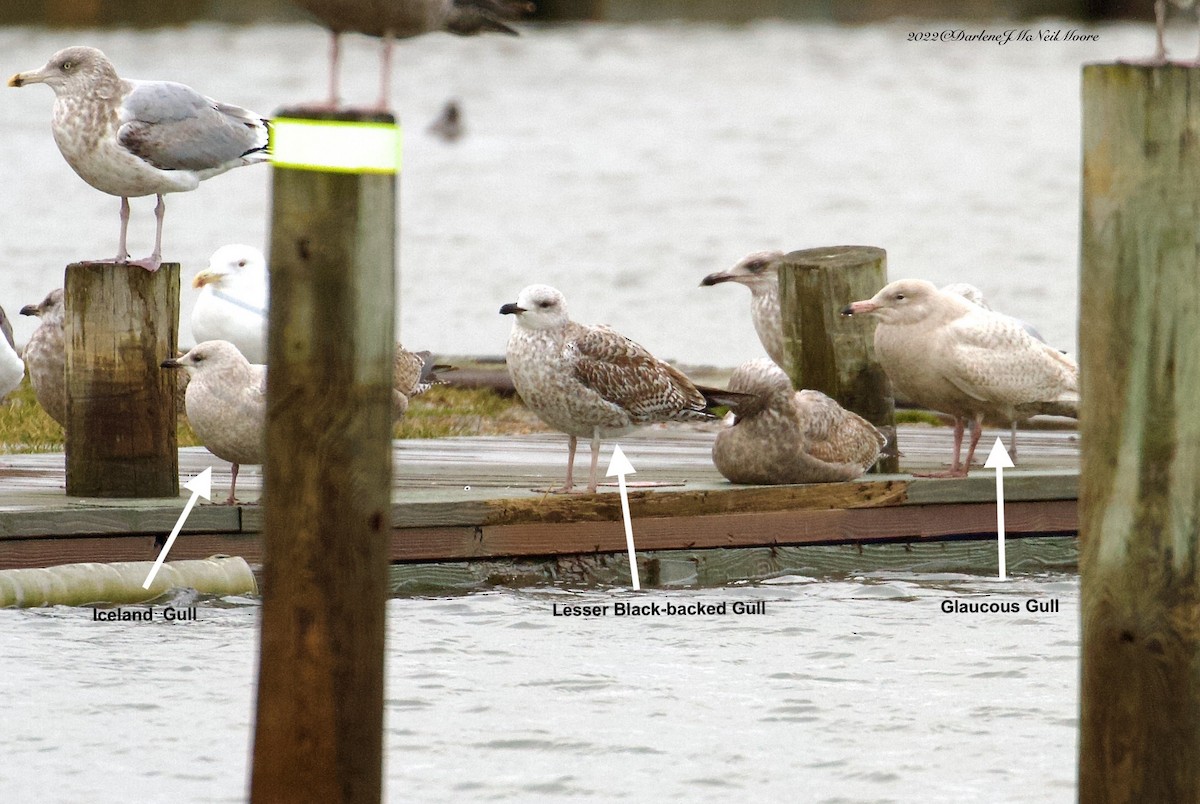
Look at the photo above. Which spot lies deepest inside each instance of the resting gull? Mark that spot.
(943, 352)
(591, 381)
(786, 436)
(760, 273)
(135, 138)
(46, 356)
(413, 373)
(12, 368)
(226, 403)
(404, 19)
(232, 305)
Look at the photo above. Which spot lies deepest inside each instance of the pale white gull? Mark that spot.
(404, 19)
(135, 138)
(12, 368)
(226, 404)
(950, 355)
(46, 355)
(233, 301)
(591, 381)
(760, 273)
(780, 435)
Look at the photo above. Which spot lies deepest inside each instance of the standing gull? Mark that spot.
(226, 404)
(781, 435)
(1160, 26)
(46, 355)
(945, 353)
(232, 305)
(760, 273)
(591, 381)
(135, 138)
(12, 368)
(403, 19)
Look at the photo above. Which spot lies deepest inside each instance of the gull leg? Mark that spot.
(956, 469)
(976, 432)
(1160, 23)
(335, 57)
(153, 262)
(959, 424)
(595, 459)
(570, 484)
(122, 251)
(1012, 440)
(231, 499)
(385, 71)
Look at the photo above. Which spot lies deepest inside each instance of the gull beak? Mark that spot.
(860, 307)
(511, 309)
(170, 363)
(31, 77)
(205, 277)
(716, 279)
(16, 81)
(30, 309)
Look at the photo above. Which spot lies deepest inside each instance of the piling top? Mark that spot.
(836, 256)
(337, 115)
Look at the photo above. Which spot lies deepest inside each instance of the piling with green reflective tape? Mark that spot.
(327, 477)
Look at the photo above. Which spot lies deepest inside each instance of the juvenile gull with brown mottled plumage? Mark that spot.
(781, 435)
(46, 355)
(135, 138)
(591, 381)
(759, 272)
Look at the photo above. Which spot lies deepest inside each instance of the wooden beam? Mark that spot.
(327, 478)
(828, 352)
(120, 323)
(1139, 347)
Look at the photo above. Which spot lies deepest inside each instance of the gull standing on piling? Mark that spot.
(233, 301)
(950, 355)
(403, 19)
(781, 435)
(135, 138)
(1160, 26)
(591, 381)
(226, 404)
(46, 355)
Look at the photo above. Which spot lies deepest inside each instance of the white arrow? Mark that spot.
(620, 466)
(998, 459)
(199, 486)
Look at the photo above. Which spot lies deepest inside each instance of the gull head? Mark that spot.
(209, 356)
(73, 70)
(232, 262)
(757, 271)
(906, 301)
(49, 309)
(538, 307)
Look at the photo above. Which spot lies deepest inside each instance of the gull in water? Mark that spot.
(591, 381)
(947, 354)
(781, 435)
(134, 138)
(233, 301)
(226, 404)
(403, 19)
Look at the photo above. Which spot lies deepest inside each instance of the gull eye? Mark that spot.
(241, 263)
(544, 304)
(68, 66)
(899, 297)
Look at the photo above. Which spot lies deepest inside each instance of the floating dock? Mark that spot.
(476, 499)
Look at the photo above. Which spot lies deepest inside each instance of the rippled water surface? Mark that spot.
(622, 164)
(847, 690)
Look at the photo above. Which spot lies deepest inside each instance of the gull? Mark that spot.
(46, 355)
(413, 373)
(403, 19)
(134, 138)
(226, 404)
(12, 368)
(781, 435)
(591, 381)
(759, 272)
(950, 355)
(1160, 26)
(233, 301)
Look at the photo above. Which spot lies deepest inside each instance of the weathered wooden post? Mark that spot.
(120, 323)
(327, 478)
(831, 353)
(1139, 347)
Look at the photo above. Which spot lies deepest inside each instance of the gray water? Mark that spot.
(622, 164)
(854, 689)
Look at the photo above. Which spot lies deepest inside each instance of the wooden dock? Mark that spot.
(475, 500)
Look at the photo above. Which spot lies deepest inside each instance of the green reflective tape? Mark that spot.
(335, 145)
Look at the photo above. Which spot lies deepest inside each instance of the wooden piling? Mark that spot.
(327, 478)
(828, 352)
(120, 323)
(1139, 347)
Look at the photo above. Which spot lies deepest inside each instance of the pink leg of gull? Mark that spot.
(335, 57)
(122, 251)
(956, 469)
(154, 261)
(595, 459)
(385, 72)
(231, 499)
